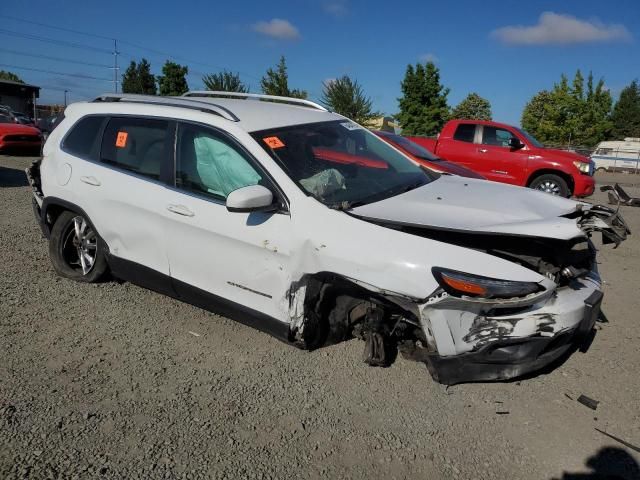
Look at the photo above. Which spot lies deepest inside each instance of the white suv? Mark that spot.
(303, 224)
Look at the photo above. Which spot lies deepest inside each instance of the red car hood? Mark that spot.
(17, 129)
(559, 154)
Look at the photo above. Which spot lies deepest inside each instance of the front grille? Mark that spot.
(21, 138)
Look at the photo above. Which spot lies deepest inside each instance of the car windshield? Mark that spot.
(532, 140)
(340, 163)
(411, 147)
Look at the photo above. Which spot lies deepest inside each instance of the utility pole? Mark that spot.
(65, 97)
(115, 65)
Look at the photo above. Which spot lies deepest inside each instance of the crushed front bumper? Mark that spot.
(485, 345)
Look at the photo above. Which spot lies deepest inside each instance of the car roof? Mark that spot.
(251, 112)
(257, 115)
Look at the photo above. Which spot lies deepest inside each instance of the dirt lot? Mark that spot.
(114, 381)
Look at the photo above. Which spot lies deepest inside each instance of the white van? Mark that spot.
(618, 155)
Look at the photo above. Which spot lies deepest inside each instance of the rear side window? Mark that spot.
(138, 145)
(83, 139)
(465, 132)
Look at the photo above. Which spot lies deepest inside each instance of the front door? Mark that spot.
(235, 259)
(501, 162)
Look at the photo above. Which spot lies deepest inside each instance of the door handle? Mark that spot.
(91, 181)
(483, 150)
(180, 210)
(502, 172)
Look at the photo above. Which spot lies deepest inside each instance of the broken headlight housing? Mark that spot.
(461, 284)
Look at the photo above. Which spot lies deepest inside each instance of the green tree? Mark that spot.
(173, 79)
(224, 82)
(138, 78)
(346, 97)
(423, 105)
(473, 107)
(626, 113)
(568, 115)
(276, 82)
(4, 75)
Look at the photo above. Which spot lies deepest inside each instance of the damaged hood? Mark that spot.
(463, 204)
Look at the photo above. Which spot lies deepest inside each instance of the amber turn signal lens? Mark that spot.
(464, 286)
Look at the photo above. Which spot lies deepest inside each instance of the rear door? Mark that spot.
(120, 188)
(221, 259)
(460, 148)
(500, 162)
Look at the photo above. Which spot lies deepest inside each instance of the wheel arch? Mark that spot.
(52, 207)
(332, 303)
(551, 171)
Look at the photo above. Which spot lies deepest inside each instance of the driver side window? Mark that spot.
(496, 137)
(209, 164)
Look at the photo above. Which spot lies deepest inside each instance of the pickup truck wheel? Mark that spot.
(552, 184)
(75, 249)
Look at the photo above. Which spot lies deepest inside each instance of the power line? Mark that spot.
(57, 59)
(56, 27)
(115, 51)
(54, 41)
(75, 75)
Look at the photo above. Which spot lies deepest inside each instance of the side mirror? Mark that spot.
(515, 143)
(254, 198)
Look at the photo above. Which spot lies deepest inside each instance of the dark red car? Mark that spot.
(16, 138)
(507, 154)
(424, 157)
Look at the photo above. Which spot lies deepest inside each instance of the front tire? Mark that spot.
(75, 249)
(550, 183)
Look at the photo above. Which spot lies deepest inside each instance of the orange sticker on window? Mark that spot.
(273, 142)
(121, 139)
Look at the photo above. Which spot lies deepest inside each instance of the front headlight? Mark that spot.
(466, 284)
(583, 167)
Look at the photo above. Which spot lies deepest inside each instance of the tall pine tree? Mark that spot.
(173, 80)
(138, 78)
(626, 113)
(276, 82)
(423, 105)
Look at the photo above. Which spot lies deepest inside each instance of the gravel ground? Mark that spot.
(114, 381)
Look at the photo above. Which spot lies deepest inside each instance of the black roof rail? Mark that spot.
(179, 102)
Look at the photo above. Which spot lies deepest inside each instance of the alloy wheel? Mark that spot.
(549, 186)
(80, 245)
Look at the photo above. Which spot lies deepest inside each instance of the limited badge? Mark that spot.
(273, 142)
(121, 139)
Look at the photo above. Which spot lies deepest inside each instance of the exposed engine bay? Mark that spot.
(336, 308)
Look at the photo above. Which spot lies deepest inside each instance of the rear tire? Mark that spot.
(550, 183)
(75, 249)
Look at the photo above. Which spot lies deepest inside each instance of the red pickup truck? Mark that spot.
(507, 154)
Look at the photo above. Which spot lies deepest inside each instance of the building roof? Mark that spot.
(18, 84)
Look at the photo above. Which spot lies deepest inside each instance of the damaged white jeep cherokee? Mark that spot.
(303, 224)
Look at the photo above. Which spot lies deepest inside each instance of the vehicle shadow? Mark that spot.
(12, 177)
(609, 463)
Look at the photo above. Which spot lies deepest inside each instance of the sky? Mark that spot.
(506, 51)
